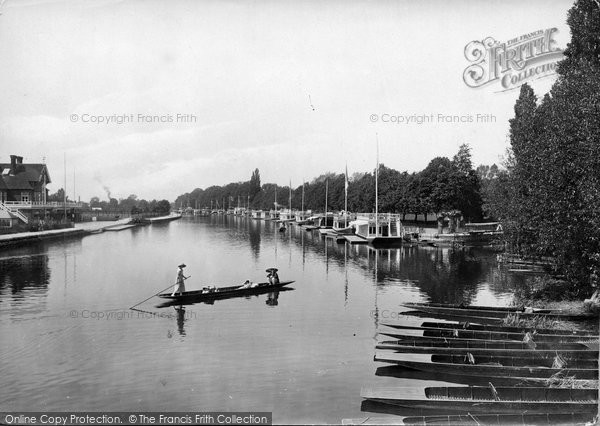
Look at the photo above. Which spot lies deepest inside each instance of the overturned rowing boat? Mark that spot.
(482, 399)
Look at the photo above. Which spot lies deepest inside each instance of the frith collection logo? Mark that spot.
(511, 63)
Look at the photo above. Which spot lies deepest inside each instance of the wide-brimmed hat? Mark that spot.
(272, 270)
(182, 265)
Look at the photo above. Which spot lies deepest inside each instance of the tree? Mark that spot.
(551, 196)
(163, 207)
(58, 196)
(254, 187)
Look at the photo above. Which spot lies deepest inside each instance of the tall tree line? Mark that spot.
(549, 196)
(444, 185)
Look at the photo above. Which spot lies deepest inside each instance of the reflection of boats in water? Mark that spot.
(209, 295)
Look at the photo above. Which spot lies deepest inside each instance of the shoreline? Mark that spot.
(81, 229)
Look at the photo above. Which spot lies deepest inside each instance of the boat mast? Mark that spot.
(275, 198)
(303, 199)
(376, 194)
(290, 197)
(346, 196)
(326, 189)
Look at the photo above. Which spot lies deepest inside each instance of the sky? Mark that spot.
(156, 98)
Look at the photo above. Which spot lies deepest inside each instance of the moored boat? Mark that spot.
(497, 335)
(459, 365)
(497, 312)
(472, 419)
(483, 399)
(397, 346)
(471, 326)
(485, 343)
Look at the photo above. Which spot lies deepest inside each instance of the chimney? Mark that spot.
(13, 164)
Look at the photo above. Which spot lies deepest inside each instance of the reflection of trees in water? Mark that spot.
(444, 274)
(21, 271)
(254, 230)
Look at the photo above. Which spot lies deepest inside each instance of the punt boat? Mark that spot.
(475, 419)
(541, 353)
(488, 399)
(484, 327)
(497, 312)
(486, 343)
(459, 365)
(212, 293)
(497, 335)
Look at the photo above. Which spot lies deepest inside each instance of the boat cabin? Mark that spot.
(387, 228)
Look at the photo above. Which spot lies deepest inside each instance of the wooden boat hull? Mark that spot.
(483, 327)
(496, 335)
(485, 399)
(470, 419)
(225, 292)
(384, 241)
(344, 231)
(500, 312)
(541, 353)
(427, 363)
(491, 344)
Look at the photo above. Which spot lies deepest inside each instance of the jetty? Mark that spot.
(355, 239)
(167, 218)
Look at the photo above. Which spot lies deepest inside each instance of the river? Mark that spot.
(71, 343)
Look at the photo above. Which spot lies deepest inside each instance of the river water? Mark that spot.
(71, 343)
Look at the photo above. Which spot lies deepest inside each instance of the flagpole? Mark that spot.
(303, 183)
(376, 189)
(346, 195)
(326, 189)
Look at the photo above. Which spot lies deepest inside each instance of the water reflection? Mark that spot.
(23, 271)
(254, 232)
(180, 320)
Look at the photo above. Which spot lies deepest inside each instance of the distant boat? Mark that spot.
(380, 229)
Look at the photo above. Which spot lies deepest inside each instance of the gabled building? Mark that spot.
(23, 183)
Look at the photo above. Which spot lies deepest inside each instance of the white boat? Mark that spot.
(383, 228)
(379, 229)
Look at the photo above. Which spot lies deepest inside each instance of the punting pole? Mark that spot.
(164, 289)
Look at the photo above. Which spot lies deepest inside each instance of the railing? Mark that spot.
(16, 212)
(41, 204)
(380, 216)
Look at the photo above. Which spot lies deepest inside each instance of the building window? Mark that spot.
(5, 223)
(24, 197)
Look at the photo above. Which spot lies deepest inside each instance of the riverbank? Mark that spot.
(80, 229)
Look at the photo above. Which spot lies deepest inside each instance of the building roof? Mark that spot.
(19, 181)
(26, 173)
(5, 215)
